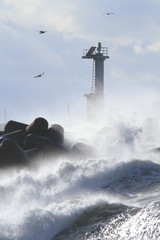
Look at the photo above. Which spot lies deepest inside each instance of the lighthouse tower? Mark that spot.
(95, 99)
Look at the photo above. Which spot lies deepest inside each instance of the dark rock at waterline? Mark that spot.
(1, 133)
(21, 143)
(12, 126)
(43, 147)
(39, 126)
(33, 153)
(56, 134)
(37, 141)
(18, 136)
(11, 154)
(12, 139)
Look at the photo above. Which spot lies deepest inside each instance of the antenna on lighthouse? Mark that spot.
(95, 99)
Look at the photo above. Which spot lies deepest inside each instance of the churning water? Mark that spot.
(112, 194)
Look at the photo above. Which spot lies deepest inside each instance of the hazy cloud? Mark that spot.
(132, 35)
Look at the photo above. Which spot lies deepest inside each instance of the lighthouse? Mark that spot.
(96, 98)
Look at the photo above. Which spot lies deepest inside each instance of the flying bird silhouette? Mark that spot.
(42, 31)
(39, 75)
(108, 13)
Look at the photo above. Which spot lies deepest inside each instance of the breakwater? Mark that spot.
(21, 143)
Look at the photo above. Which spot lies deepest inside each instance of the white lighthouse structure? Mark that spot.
(95, 99)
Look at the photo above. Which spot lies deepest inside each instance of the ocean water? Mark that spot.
(113, 193)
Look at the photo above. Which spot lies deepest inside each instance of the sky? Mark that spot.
(132, 73)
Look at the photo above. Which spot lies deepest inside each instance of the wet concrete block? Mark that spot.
(11, 154)
(17, 136)
(39, 126)
(56, 133)
(12, 126)
(36, 141)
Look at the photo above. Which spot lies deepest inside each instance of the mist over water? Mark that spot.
(111, 192)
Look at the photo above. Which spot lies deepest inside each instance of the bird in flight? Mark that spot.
(42, 31)
(39, 75)
(108, 13)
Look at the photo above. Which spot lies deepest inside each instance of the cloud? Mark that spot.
(132, 35)
(154, 47)
(33, 13)
(76, 19)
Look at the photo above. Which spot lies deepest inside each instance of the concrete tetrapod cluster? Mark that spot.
(20, 143)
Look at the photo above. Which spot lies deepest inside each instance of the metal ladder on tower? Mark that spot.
(93, 77)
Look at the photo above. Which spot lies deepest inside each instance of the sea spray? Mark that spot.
(52, 196)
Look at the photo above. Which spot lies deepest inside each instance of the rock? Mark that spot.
(37, 141)
(12, 126)
(56, 133)
(39, 126)
(17, 136)
(11, 154)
